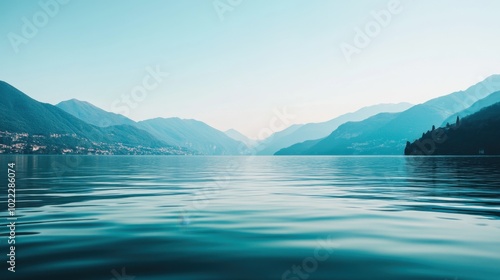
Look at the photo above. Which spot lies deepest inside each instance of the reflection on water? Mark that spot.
(87, 217)
(473, 185)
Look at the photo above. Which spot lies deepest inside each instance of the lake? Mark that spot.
(174, 217)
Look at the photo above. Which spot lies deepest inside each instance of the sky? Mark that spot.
(241, 63)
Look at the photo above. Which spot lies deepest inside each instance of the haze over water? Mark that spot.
(87, 217)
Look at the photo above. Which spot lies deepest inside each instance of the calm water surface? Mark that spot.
(236, 218)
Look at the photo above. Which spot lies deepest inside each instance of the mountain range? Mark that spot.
(386, 134)
(92, 114)
(74, 126)
(238, 136)
(51, 129)
(474, 108)
(194, 135)
(191, 134)
(299, 133)
(478, 133)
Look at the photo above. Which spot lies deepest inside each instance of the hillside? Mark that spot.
(187, 134)
(476, 107)
(194, 135)
(33, 123)
(238, 136)
(92, 114)
(390, 137)
(476, 134)
(340, 141)
(299, 133)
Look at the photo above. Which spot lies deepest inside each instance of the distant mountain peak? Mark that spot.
(92, 114)
(238, 136)
(77, 101)
(58, 131)
(194, 134)
(311, 131)
(388, 134)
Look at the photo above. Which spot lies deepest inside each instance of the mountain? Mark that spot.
(393, 132)
(51, 128)
(340, 141)
(299, 148)
(276, 140)
(476, 107)
(309, 131)
(478, 133)
(238, 136)
(191, 134)
(92, 114)
(194, 135)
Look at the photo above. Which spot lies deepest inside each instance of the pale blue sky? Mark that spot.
(263, 55)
